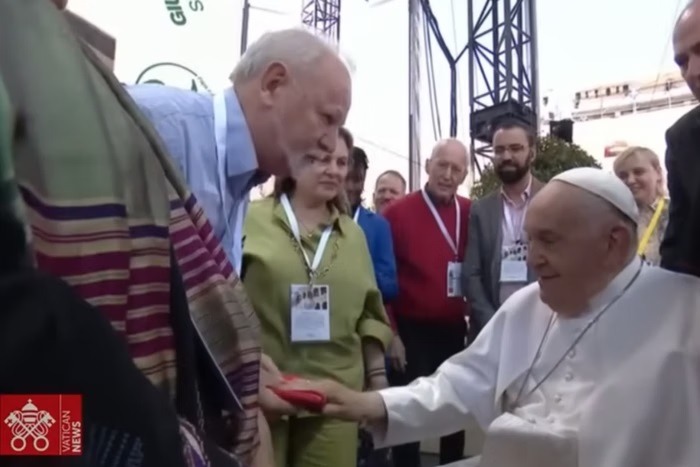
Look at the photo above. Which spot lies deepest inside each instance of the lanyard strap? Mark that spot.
(318, 255)
(651, 227)
(356, 215)
(441, 225)
(540, 347)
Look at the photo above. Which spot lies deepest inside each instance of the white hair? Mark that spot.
(295, 47)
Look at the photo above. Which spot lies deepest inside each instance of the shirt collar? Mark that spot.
(241, 159)
(616, 286)
(524, 197)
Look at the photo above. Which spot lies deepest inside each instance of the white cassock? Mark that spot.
(626, 395)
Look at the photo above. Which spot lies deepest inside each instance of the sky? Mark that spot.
(582, 43)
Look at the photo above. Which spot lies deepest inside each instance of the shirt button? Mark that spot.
(568, 376)
(557, 398)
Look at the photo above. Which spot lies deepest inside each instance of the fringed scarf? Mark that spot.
(107, 212)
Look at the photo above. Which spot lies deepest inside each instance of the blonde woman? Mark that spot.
(640, 169)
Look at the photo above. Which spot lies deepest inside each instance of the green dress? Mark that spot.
(271, 264)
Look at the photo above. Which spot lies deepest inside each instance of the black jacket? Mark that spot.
(680, 249)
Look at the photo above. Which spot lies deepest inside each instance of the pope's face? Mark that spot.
(570, 247)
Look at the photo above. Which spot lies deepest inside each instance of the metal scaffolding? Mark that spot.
(414, 129)
(503, 74)
(322, 16)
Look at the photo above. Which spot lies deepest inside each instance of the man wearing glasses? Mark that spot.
(494, 265)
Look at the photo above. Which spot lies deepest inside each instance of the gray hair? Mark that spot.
(294, 47)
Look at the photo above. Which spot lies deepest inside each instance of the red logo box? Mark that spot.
(41, 425)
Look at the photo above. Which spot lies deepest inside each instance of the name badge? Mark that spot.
(513, 271)
(454, 279)
(310, 313)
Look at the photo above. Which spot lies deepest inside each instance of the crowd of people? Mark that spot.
(136, 272)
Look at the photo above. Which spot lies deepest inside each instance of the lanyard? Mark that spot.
(356, 215)
(651, 227)
(318, 255)
(220, 135)
(441, 225)
(516, 233)
(552, 318)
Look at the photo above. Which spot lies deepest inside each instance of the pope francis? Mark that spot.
(595, 365)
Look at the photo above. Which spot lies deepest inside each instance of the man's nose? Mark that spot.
(329, 141)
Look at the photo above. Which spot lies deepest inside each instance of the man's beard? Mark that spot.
(513, 173)
(295, 160)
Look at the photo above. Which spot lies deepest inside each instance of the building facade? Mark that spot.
(611, 117)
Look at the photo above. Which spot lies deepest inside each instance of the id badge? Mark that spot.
(310, 313)
(513, 271)
(454, 279)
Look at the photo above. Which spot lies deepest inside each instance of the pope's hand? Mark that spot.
(344, 403)
(271, 404)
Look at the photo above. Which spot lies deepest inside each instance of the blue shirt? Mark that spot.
(220, 182)
(381, 249)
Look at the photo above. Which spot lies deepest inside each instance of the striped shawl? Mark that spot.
(106, 208)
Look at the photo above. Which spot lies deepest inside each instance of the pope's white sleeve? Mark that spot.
(463, 387)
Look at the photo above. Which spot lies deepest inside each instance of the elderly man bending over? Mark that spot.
(595, 365)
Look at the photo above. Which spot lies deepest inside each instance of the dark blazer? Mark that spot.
(680, 248)
(481, 267)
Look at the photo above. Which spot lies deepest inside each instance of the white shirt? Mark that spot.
(606, 403)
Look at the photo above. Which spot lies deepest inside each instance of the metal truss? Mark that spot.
(503, 74)
(322, 16)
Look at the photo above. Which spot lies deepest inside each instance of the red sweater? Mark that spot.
(422, 254)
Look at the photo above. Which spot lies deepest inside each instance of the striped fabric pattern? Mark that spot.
(105, 204)
(119, 266)
(122, 268)
(212, 285)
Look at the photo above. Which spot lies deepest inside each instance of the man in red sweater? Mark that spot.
(429, 229)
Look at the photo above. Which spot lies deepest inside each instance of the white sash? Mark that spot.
(454, 244)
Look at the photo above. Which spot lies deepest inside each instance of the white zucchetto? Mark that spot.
(604, 185)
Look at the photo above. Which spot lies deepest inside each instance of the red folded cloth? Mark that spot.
(313, 401)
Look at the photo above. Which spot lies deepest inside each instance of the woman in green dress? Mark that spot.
(308, 273)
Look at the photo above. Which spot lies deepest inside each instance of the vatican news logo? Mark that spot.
(41, 425)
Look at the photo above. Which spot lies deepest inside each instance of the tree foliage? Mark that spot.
(554, 156)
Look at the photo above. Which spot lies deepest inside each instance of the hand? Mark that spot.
(270, 403)
(397, 354)
(264, 455)
(344, 403)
